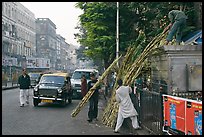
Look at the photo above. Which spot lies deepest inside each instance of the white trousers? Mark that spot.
(120, 120)
(24, 96)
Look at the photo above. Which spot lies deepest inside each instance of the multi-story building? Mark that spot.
(18, 30)
(58, 63)
(73, 64)
(65, 55)
(25, 37)
(46, 40)
(18, 35)
(26, 30)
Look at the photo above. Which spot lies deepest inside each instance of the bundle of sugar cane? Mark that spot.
(137, 65)
(110, 116)
(133, 51)
(111, 110)
(91, 91)
(132, 73)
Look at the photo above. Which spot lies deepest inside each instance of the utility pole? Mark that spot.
(117, 35)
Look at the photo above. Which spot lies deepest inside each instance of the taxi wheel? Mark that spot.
(64, 101)
(70, 100)
(35, 102)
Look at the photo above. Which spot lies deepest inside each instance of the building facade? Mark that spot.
(26, 40)
(18, 36)
(46, 40)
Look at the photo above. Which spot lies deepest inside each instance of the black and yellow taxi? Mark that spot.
(55, 87)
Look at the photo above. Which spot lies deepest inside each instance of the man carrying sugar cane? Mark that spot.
(126, 107)
(93, 101)
(177, 25)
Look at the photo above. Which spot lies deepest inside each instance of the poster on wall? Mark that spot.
(174, 113)
(173, 116)
(183, 115)
(194, 116)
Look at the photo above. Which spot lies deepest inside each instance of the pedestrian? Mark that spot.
(68, 83)
(93, 101)
(177, 24)
(199, 96)
(24, 82)
(83, 85)
(126, 107)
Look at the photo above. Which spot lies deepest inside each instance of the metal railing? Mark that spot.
(8, 84)
(151, 111)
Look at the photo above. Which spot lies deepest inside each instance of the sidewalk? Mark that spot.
(9, 85)
(126, 128)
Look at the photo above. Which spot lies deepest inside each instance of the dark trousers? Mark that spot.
(93, 106)
(177, 28)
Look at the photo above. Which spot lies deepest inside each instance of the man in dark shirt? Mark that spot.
(93, 101)
(24, 82)
(177, 25)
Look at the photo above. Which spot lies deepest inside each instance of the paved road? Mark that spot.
(48, 119)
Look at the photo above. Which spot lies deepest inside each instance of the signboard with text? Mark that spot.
(9, 61)
(184, 115)
(174, 110)
(37, 63)
(194, 116)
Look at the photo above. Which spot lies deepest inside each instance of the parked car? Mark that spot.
(76, 80)
(34, 76)
(52, 88)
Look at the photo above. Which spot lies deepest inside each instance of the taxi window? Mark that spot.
(52, 79)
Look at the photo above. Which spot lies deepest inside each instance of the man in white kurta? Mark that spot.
(126, 107)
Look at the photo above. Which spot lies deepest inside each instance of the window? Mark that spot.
(52, 79)
(9, 11)
(6, 27)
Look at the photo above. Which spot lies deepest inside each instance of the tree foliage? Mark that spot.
(98, 25)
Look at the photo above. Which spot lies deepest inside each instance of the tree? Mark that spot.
(98, 25)
(198, 14)
(97, 30)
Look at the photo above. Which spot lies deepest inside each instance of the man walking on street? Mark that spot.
(126, 107)
(93, 101)
(24, 82)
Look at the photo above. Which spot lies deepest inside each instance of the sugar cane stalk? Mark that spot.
(130, 72)
(91, 91)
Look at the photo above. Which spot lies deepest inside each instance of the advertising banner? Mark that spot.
(183, 115)
(174, 113)
(31, 62)
(9, 61)
(38, 63)
(194, 116)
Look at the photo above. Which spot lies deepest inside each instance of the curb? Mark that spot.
(6, 88)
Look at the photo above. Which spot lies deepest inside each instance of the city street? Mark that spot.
(153, 48)
(48, 119)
